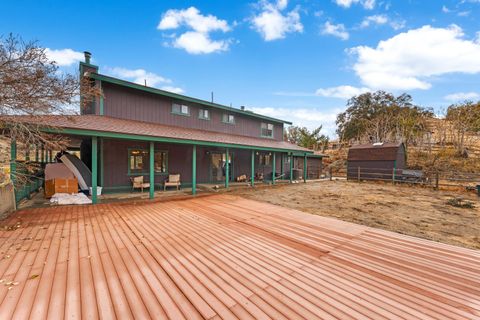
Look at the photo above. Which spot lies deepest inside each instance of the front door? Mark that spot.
(218, 167)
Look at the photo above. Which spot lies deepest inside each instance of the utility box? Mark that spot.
(59, 185)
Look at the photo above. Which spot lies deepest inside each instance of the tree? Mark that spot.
(32, 85)
(301, 136)
(464, 119)
(382, 117)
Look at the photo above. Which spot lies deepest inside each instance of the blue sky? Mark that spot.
(297, 60)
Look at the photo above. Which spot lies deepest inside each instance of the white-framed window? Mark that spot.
(228, 118)
(204, 114)
(180, 109)
(267, 130)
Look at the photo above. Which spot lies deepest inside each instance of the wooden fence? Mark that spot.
(437, 180)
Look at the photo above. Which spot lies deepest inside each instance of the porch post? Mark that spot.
(36, 153)
(305, 168)
(43, 154)
(253, 169)
(13, 160)
(274, 168)
(282, 164)
(27, 152)
(227, 168)
(94, 170)
(194, 170)
(50, 157)
(46, 156)
(152, 169)
(291, 168)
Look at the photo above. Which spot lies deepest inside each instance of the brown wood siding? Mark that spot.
(128, 103)
(115, 163)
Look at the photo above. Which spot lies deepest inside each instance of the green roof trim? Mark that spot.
(137, 86)
(117, 135)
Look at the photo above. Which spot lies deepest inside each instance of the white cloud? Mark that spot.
(141, 76)
(311, 118)
(462, 96)
(342, 92)
(381, 19)
(64, 57)
(336, 30)
(199, 43)
(367, 4)
(197, 40)
(378, 19)
(408, 60)
(445, 9)
(173, 89)
(273, 24)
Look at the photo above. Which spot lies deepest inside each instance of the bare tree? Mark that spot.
(31, 85)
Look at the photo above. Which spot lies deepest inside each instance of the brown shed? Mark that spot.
(378, 161)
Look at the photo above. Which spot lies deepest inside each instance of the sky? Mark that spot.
(296, 60)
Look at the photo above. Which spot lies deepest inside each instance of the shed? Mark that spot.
(377, 161)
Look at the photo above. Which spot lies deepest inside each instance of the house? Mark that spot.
(377, 161)
(134, 130)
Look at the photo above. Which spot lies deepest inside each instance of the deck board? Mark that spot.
(225, 257)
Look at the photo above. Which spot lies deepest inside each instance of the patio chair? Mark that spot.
(137, 183)
(172, 181)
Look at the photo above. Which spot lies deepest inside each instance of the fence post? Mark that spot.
(358, 173)
(393, 176)
(331, 174)
(437, 178)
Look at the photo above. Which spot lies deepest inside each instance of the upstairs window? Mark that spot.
(228, 118)
(267, 130)
(204, 114)
(180, 109)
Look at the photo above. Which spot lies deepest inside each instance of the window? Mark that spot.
(138, 161)
(228, 118)
(265, 159)
(180, 109)
(160, 161)
(267, 130)
(204, 114)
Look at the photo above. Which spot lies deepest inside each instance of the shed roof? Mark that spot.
(105, 126)
(375, 152)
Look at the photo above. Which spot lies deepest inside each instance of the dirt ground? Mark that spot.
(410, 210)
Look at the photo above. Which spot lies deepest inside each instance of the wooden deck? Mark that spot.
(222, 257)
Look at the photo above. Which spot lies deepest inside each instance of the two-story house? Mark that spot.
(135, 130)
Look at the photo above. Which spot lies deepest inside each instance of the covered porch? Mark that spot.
(115, 155)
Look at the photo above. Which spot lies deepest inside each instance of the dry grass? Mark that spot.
(405, 209)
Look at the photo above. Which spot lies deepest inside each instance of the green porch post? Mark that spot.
(227, 168)
(274, 167)
(291, 168)
(94, 169)
(101, 163)
(46, 156)
(252, 178)
(13, 160)
(305, 168)
(50, 157)
(43, 154)
(36, 153)
(152, 169)
(282, 164)
(194, 170)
